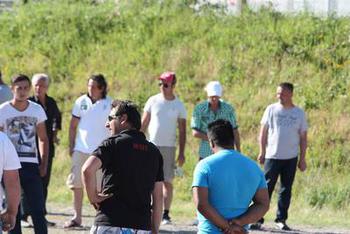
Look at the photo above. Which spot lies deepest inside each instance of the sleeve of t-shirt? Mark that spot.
(57, 116)
(148, 105)
(104, 152)
(262, 184)
(11, 160)
(160, 174)
(304, 126)
(2, 117)
(200, 176)
(195, 120)
(232, 118)
(41, 115)
(183, 113)
(265, 119)
(76, 109)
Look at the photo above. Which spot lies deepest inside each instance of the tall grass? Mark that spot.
(249, 54)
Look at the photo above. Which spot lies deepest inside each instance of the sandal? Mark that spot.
(72, 224)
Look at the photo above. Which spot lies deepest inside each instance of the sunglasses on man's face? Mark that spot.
(110, 118)
(165, 85)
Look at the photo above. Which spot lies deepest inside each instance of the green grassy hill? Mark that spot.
(249, 54)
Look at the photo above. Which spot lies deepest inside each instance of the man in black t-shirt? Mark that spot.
(132, 176)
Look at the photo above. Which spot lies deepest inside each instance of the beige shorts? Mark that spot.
(169, 166)
(74, 179)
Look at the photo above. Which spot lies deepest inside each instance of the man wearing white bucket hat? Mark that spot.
(208, 111)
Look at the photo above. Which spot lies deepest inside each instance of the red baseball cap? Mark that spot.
(168, 77)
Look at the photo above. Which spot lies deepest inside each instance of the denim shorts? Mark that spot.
(116, 230)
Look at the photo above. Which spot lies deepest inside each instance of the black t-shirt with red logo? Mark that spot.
(130, 165)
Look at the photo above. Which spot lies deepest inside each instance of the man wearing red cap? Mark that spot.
(162, 113)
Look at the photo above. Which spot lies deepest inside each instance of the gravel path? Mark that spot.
(60, 214)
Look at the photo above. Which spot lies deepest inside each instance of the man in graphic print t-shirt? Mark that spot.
(22, 120)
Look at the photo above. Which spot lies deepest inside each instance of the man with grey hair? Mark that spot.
(40, 83)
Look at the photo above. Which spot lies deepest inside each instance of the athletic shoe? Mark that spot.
(26, 224)
(166, 219)
(281, 224)
(50, 224)
(255, 226)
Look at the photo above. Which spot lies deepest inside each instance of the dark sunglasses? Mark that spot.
(110, 118)
(165, 85)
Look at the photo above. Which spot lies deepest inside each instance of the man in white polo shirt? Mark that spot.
(162, 113)
(87, 130)
(9, 165)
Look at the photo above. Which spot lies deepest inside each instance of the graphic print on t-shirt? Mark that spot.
(285, 120)
(22, 131)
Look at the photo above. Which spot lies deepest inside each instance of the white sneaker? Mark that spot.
(166, 221)
(26, 224)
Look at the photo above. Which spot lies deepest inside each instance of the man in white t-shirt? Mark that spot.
(87, 130)
(9, 165)
(23, 120)
(162, 113)
(283, 139)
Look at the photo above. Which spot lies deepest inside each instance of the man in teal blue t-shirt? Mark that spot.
(229, 189)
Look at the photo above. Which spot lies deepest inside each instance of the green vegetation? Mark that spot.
(249, 54)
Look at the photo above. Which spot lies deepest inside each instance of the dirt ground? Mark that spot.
(60, 214)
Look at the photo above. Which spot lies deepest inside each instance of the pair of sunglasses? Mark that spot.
(165, 85)
(110, 118)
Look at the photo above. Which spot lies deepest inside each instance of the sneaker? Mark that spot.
(50, 224)
(26, 224)
(166, 219)
(281, 224)
(255, 226)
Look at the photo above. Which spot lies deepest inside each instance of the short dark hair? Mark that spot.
(287, 85)
(220, 132)
(101, 83)
(130, 109)
(19, 78)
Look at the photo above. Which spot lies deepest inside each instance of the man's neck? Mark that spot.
(287, 105)
(214, 107)
(94, 99)
(169, 96)
(42, 99)
(219, 148)
(20, 105)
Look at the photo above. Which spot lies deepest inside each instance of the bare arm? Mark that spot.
(200, 135)
(262, 143)
(237, 139)
(72, 133)
(303, 145)
(12, 189)
(43, 147)
(88, 172)
(200, 197)
(182, 141)
(157, 206)
(257, 210)
(146, 118)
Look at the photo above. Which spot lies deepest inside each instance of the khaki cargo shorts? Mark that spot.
(74, 179)
(169, 166)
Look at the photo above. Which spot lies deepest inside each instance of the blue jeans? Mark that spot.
(32, 187)
(286, 170)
